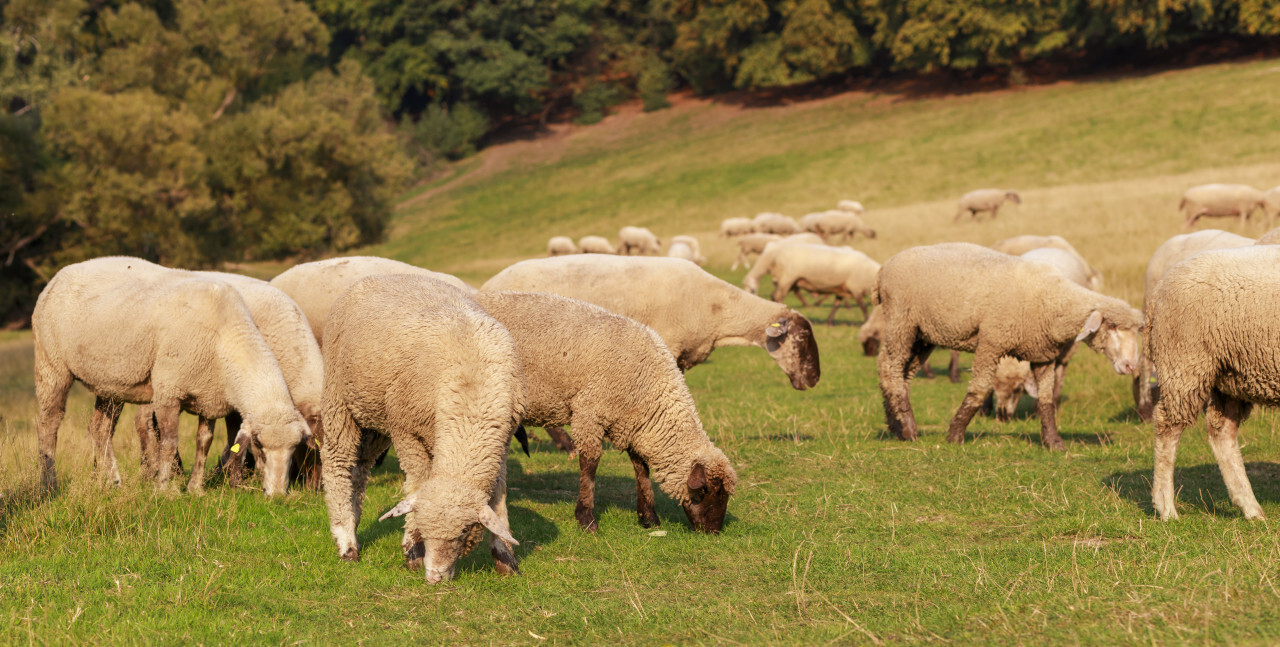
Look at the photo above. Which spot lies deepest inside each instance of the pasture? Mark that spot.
(837, 533)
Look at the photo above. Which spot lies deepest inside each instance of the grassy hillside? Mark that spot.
(837, 533)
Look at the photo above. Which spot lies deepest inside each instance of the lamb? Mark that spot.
(852, 206)
(732, 227)
(596, 245)
(611, 377)
(843, 224)
(315, 286)
(693, 311)
(1170, 253)
(1213, 334)
(775, 223)
(559, 245)
(638, 239)
(288, 334)
(841, 271)
(412, 361)
(133, 331)
(686, 247)
(1019, 245)
(989, 200)
(1271, 203)
(1220, 200)
(971, 298)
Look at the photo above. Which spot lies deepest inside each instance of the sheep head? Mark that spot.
(790, 342)
(276, 443)
(1117, 337)
(446, 525)
(710, 483)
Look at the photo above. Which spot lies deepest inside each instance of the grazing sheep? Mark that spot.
(1271, 203)
(843, 224)
(132, 331)
(775, 223)
(809, 221)
(841, 271)
(1170, 253)
(1019, 245)
(611, 377)
(1212, 335)
(732, 227)
(560, 245)
(989, 200)
(852, 206)
(752, 244)
(415, 362)
(693, 311)
(1220, 200)
(596, 245)
(970, 298)
(315, 286)
(686, 247)
(872, 330)
(638, 239)
(289, 336)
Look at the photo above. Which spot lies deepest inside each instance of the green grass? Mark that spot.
(837, 532)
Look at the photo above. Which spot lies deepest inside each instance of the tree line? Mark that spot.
(195, 132)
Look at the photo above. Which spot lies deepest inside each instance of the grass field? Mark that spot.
(838, 533)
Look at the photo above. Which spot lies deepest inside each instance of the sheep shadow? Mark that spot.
(25, 496)
(531, 529)
(1200, 486)
(1128, 415)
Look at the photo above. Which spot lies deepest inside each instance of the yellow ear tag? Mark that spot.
(775, 325)
(235, 449)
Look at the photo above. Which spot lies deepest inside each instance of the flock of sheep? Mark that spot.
(319, 371)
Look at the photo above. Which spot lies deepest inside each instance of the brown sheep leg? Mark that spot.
(895, 385)
(984, 368)
(862, 305)
(504, 555)
(415, 461)
(167, 447)
(835, 305)
(561, 439)
(1047, 405)
(953, 367)
(1060, 373)
(1144, 389)
(204, 438)
(233, 462)
(102, 427)
(1223, 417)
(588, 460)
(644, 493)
(145, 426)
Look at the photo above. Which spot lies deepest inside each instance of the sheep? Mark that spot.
(559, 245)
(414, 362)
(683, 249)
(764, 244)
(872, 330)
(843, 224)
(1212, 337)
(1220, 200)
(752, 244)
(638, 239)
(132, 331)
(989, 200)
(315, 286)
(809, 221)
(732, 227)
(596, 245)
(852, 206)
(693, 311)
(966, 297)
(288, 334)
(1271, 203)
(775, 223)
(1170, 253)
(841, 271)
(1019, 245)
(611, 377)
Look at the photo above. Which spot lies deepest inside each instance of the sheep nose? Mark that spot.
(434, 576)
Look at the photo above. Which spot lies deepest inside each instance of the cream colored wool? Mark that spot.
(609, 377)
(988, 200)
(1271, 203)
(752, 244)
(132, 331)
(820, 269)
(731, 227)
(560, 245)
(596, 245)
(775, 223)
(841, 224)
(1272, 237)
(1219, 201)
(1019, 245)
(695, 248)
(1213, 333)
(415, 362)
(693, 311)
(1170, 253)
(970, 298)
(638, 239)
(809, 221)
(852, 206)
(682, 250)
(316, 285)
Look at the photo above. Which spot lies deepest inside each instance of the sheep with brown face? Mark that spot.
(414, 362)
(985, 200)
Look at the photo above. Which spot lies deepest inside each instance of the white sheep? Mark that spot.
(560, 245)
(752, 244)
(132, 331)
(412, 361)
(841, 271)
(1019, 245)
(639, 240)
(732, 227)
(1220, 200)
(596, 245)
(315, 286)
(809, 221)
(686, 247)
(1170, 253)
(1213, 332)
(852, 206)
(693, 311)
(1271, 203)
(988, 200)
(775, 223)
(970, 298)
(842, 224)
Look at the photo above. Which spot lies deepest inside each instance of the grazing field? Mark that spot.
(837, 533)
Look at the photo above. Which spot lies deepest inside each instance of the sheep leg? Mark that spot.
(896, 364)
(862, 305)
(644, 493)
(1047, 404)
(415, 461)
(740, 260)
(145, 426)
(233, 460)
(561, 439)
(204, 438)
(795, 289)
(835, 305)
(984, 368)
(167, 447)
(102, 428)
(589, 450)
(504, 555)
(340, 455)
(1222, 417)
(1060, 373)
(953, 367)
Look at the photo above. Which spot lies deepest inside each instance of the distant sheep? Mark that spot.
(1220, 200)
(841, 271)
(1019, 245)
(852, 206)
(638, 239)
(775, 223)
(733, 227)
(841, 224)
(752, 244)
(686, 247)
(560, 245)
(596, 245)
(988, 200)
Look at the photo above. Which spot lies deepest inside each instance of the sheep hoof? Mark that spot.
(352, 555)
(1056, 445)
(957, 438)
(504, 562)
(588, 522)
(649, 520)
(1255, 515)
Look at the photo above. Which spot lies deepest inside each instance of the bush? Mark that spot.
(593, 99)
(451, 132)
(653, 85)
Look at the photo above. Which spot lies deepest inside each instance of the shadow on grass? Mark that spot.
(531, 529)
(1200, 487)
(1128, 415)
(28, 495)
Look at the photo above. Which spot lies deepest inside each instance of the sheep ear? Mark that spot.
(777, 328)
(1091, 325)
(697, 477)
(489, 519)
(1029, 385)
(400, 510)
